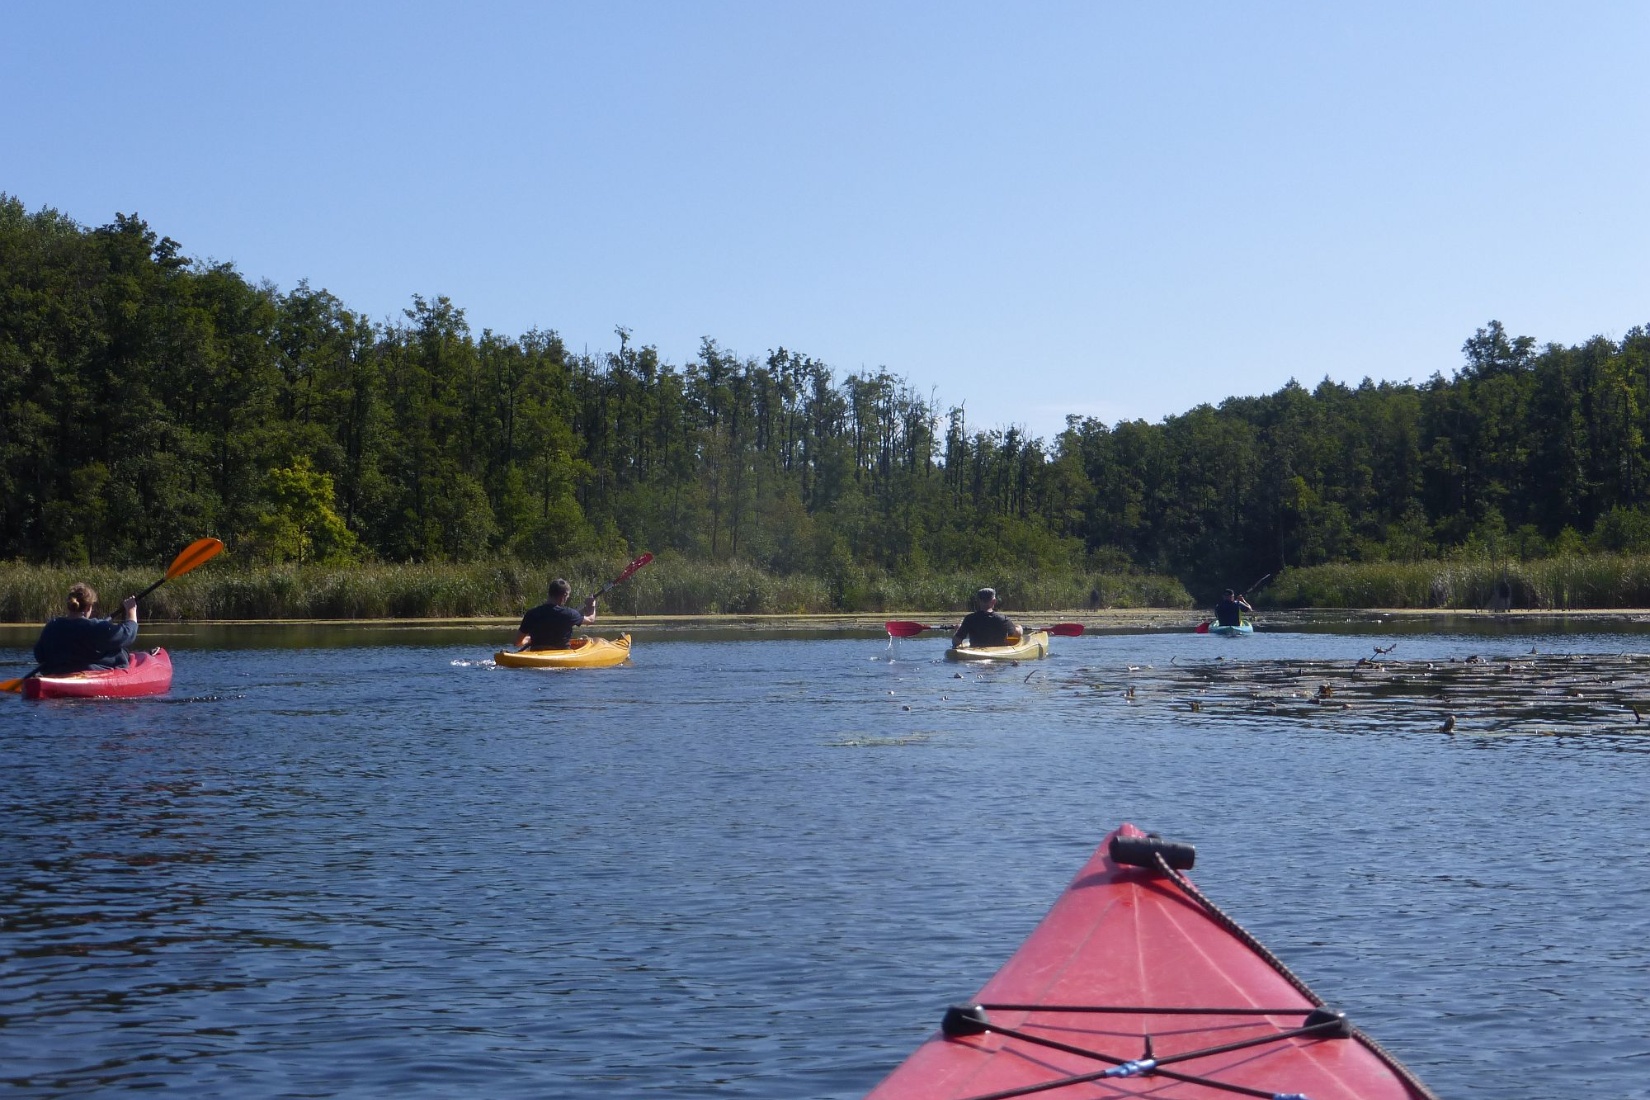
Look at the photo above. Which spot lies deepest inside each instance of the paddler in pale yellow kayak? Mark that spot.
(985, 625)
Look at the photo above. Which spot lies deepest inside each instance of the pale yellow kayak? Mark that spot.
(584, 653)
(1029, 648)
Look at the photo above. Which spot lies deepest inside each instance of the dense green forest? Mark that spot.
(149, 399)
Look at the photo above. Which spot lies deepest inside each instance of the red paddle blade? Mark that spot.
(629, 571)
(901, 629)
(1065, 630)
(1202, 628)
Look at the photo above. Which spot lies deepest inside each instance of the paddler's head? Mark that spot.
(82, 599)
(985, 599)
(560, 590)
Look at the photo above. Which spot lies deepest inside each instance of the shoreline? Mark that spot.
(1108, 619)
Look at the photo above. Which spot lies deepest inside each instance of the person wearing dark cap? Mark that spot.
(985, 625)
(1229, 611)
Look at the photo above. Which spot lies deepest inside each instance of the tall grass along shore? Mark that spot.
(1571, 582)
(676, 586)
(670, 586)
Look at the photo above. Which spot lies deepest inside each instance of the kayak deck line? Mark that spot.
(1145, 1010)
(971, 1020)
(1087, 944)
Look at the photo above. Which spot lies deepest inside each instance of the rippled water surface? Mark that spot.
(749, 868)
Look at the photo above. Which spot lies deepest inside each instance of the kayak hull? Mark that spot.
(146, 673)
(1237, 631)
(1120, 942)
(584, 653)
(1030, 648)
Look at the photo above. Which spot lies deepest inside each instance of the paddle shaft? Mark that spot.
(151, 588)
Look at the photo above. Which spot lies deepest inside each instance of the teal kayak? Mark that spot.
(1232, 631)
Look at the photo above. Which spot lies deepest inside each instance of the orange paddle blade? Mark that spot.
(196, 554)
(13, 686)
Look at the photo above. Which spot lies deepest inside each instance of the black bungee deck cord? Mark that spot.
(1320, 1022)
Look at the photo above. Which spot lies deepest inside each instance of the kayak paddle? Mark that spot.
(902, 629)
(193, 556)
(629, 571)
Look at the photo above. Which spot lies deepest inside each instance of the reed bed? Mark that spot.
(669, 586)
(1028, 591)
(1569, 583)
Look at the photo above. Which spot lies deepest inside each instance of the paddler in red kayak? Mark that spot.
(551, 625)
(985, 625)
(76, 642)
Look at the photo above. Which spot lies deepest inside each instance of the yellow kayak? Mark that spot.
(1029, 648)
(584, 653)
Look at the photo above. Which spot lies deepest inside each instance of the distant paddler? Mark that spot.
(550, 625)
(985, 625)
(1231, 608)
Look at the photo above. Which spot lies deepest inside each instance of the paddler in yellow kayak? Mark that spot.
(551, 625)
(985, 625)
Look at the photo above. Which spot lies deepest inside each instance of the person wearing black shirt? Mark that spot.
(551, 625)
(1229, 611)
(985, 625)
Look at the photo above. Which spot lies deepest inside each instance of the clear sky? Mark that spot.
(1118, 210)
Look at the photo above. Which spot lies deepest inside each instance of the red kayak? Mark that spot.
(1135, 984)
(145, 674)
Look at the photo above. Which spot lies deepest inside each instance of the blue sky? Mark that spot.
(1115, 210)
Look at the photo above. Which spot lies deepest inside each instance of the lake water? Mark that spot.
(761, 867)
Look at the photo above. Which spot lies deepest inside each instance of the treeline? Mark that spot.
(149, 399)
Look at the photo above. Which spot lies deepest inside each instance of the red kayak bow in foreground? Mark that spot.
(1135, 984)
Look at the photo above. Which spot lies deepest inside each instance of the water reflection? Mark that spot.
(762, 868)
